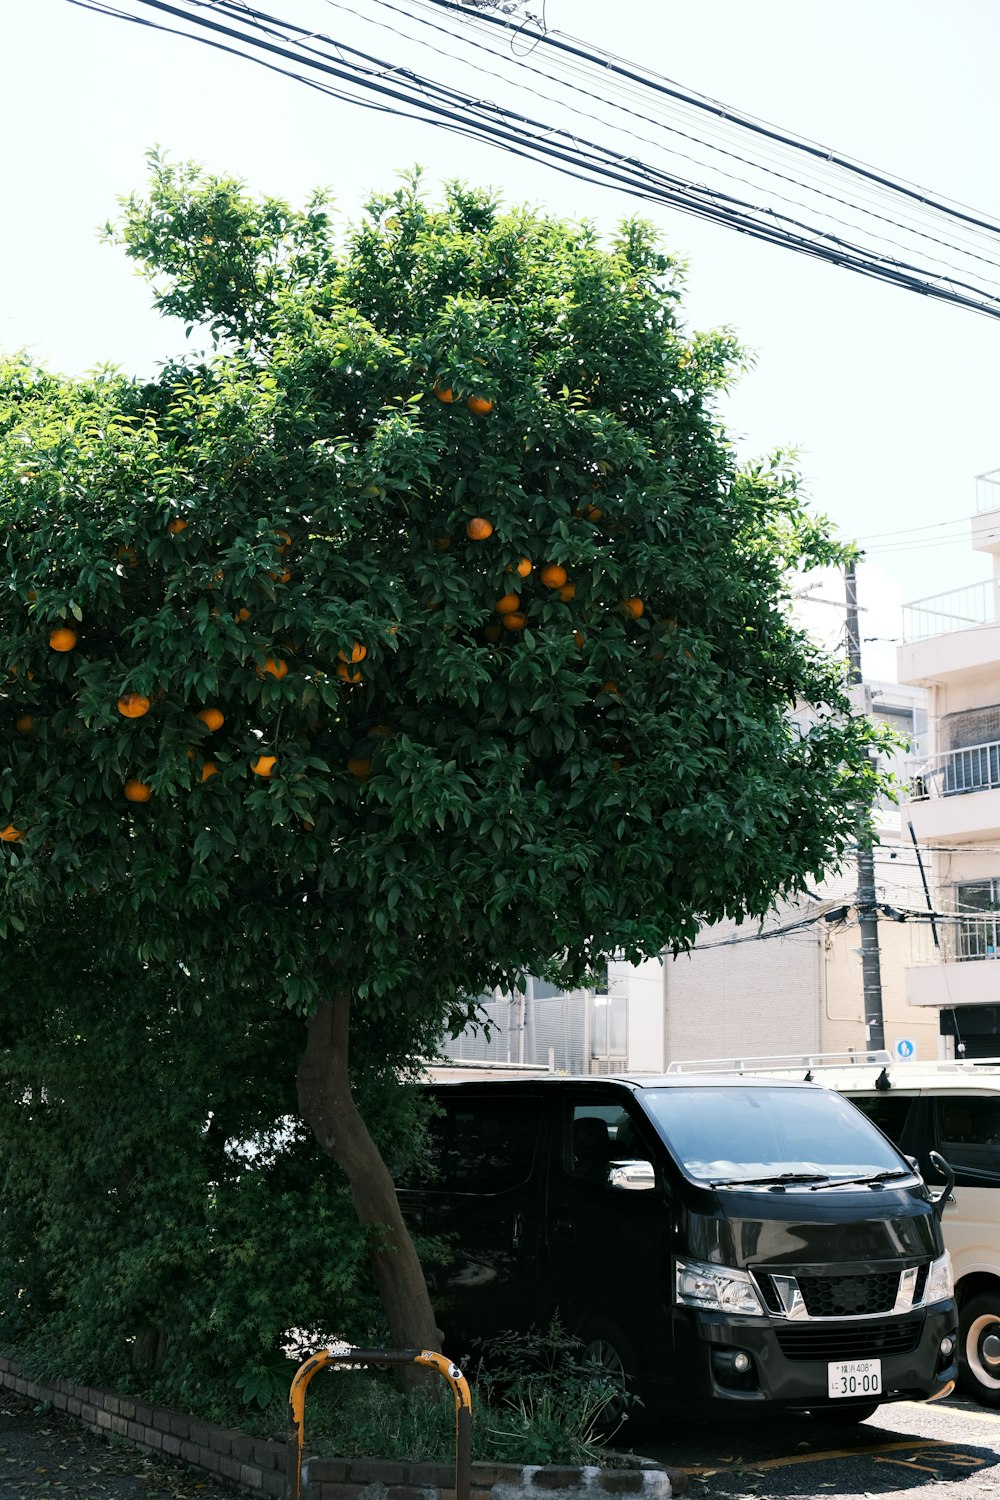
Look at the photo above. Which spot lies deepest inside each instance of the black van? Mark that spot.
(739, 1242)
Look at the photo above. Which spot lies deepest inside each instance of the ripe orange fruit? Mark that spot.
(480, 405)
(346, 675)
(444, 393)
(515, 621)
(263, 765)
(358, 653)
(275, 667)
(567, 592)
(285, 542)
(137, 791)
(508, 604)
(31, 596)
(524, 567)
(128, 555)
(10, 834)
(360, 769)
(634, 608)
(241, 615)
(212, 718)
(381, 730)
(176, 526)
(578, 639)
(553, 576)
(209, 769)
(478, 529)
(132, 705)
(610, 687)
(25, 724)
(62, 639)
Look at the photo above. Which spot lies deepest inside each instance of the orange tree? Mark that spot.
(425, 632)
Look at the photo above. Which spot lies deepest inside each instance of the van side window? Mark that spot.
(484, 1145)
(597, 1135)
(969, 1131)
(888, 1111)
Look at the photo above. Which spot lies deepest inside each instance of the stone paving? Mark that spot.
(45, 1454)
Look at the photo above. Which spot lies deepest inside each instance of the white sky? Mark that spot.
(889, 396)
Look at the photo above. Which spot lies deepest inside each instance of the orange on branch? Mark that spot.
(516, 621)
(263, 765)
(634, 608)
(274, 667)
(286, 540)
(553, 576)
(10, 834)
(481, 406)
(358, 653)
(25, 724)
(209, 769)
(478, 529)
(508, 604)
(62, 639)
(346, 675)
(522, 569)
(132, 705)
(177, 525)
(212, 718)
(241, 615)
(137, 791)
(444, 393)
(567, 592)
(360, 769)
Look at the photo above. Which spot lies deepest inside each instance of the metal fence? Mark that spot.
(958, 609)
(954, 773)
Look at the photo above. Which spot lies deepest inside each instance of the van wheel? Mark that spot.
(979, 1347)
(606, 1347)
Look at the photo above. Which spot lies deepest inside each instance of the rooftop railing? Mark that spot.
(988, 491)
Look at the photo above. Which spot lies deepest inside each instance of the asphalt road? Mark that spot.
(45, 1455)
(904, 1448)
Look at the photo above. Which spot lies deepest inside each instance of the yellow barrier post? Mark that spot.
(429, 1358)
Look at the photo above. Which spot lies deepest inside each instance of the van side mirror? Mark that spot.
(632, 1176)
(939, 1164)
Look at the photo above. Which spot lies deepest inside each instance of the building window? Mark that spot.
(609, 1029)
(978, 907)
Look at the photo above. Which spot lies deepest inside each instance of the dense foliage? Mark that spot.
(424, 633)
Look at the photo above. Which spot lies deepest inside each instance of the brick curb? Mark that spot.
(260, 1465)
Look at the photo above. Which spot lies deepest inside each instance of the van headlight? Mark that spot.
(940, 1284)
(718, 1288)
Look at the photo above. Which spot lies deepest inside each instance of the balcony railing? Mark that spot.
(959, 609)
(955, 773)
(976, 937)
(988, 491)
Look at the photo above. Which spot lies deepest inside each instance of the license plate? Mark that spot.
(855, 1377)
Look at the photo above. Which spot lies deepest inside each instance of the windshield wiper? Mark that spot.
(778, 1181)
(874, 1179)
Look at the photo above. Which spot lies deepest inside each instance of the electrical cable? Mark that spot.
(417, 98)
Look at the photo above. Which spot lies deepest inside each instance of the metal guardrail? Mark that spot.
(988, 491)
(428, 1358)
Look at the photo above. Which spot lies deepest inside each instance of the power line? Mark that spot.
(358, 76)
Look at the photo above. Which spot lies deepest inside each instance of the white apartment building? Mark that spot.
(952, 651)
(790, 985)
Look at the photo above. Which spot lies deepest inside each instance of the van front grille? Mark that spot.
(849, 1296)
(821, 1341)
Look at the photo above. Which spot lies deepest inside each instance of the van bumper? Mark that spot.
(789, 1360)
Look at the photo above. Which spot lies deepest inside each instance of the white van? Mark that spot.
(949, 1107)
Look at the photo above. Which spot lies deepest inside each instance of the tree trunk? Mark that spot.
(328, 1108)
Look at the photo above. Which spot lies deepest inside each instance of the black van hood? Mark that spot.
(798, 1228)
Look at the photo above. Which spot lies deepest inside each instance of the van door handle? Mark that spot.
(564, 1229)
(518, 1231)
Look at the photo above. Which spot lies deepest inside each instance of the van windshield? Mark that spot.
(757, 1134)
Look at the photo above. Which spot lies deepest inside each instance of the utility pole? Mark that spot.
(871, 962)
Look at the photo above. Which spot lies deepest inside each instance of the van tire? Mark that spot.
(978, 1365)
(606, 1345)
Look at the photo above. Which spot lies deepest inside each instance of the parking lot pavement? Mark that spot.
(46, 1454)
